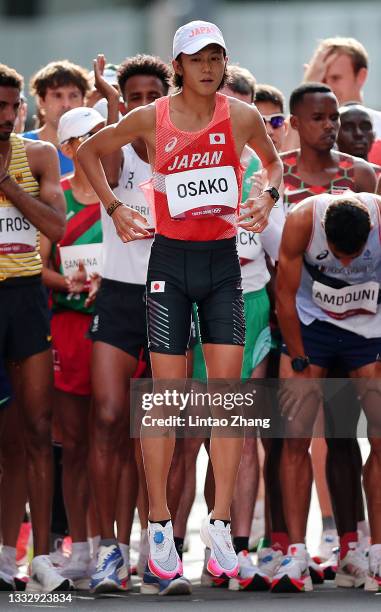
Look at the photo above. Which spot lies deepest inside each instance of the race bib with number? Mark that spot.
(17, 234)
(202, 192)
(347, 301)
(90, 254)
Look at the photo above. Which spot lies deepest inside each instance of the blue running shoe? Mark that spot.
(152, 585)
(111, 573)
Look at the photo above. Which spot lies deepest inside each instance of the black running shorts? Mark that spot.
(24, 318)
(182, 272)
(120, 317)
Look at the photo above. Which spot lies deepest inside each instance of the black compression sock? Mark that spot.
(179, 543)
(240, 543)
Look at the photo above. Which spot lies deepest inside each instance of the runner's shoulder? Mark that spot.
(144, 115)
(242, 111)
(38, 147)
(301, 214)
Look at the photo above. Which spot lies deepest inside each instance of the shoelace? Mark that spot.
(224, 532)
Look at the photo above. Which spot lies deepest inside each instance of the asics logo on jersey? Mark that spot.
(215, 139)
(196, 160)
(170, 145)
(322, 255)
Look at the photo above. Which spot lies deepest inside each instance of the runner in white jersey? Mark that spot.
(119, 332)
(328, 304)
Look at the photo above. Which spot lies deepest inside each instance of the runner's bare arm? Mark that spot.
(249, 128)
(263, 146)
(365, 177)
(139, 123)
(136, 124)
(50, 277)
(296, 235)
(111, 163)
(46, 213)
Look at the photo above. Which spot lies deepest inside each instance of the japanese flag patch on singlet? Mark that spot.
(202, 192)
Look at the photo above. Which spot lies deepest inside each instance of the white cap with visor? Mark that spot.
(78, 122)
(196, 35)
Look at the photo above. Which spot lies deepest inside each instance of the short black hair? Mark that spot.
(177, 79)
(347, 225)
(269, 93)
(10, 78)
(143, 64)
(306, 88)
(241, 81)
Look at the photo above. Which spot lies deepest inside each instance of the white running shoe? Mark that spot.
(79, 569)
(110, 574)
(316, 571)
(353, 568)
(223, 559)
(8, 570)
(249, 577)
(46, 578)
(373, 579)
(293, 575)
(329, 540)
(330, 566)
(163, 560)
(143, 553)
(57, 557)
(269, 560)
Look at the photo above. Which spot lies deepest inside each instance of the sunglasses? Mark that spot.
(79, 138)
(276, 121)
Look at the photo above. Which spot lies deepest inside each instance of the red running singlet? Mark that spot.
(195, 189)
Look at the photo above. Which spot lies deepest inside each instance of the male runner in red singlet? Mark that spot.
(194, 141)
(316, 167)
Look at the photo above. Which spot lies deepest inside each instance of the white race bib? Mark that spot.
(348, 301)
(248, 245)
(17, 234)
(91, 255)
(202, 192)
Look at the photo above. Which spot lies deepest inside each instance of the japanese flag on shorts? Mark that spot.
(157, 286)
(217, 139)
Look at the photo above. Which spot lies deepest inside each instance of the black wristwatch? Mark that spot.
(274, 193)
(299, 364)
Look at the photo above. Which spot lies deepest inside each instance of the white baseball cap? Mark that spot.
(78, 122)
(110, 74)
(196, 35)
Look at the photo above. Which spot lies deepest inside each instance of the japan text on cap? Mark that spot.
(196, 35)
